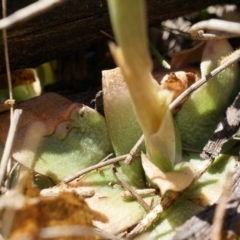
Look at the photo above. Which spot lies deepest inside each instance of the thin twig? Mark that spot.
(8, 147)
(9, 174)
(134, 150)
(7, 221)
(107, 35)
(142, 192)
(28, 12)
(130, 189)
(5, 43)
(57, 190)
(220, 210)
(94, 167)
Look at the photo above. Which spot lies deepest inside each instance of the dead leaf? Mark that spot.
(19, 77)
(178, 82)
(174, 180)
(187, 57)
(50, 108)
(65, 210)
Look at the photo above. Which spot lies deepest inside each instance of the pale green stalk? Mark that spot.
(129, 25)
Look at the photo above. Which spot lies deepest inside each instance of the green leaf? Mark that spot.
(203, 110)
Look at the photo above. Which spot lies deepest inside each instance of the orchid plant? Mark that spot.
(151, 103)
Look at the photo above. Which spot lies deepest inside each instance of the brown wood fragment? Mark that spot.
(75, 25)
(225, 130)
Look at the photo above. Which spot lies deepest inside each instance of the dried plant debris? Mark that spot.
(37, 213)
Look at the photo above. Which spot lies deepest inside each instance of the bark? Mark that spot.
(75, 25)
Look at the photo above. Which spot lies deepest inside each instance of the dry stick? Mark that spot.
(94, 167)
(5, 43)
(220, 210)
(134, 150)
(192, 88)
(224, 131)
(118, 176)
(8, 147)
(130, 189)
(10, 101)
(107, 35)
(28, 12)
(9, 174)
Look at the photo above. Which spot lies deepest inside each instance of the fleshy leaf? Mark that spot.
(203, 110)
(58, 138)
(124, 130)
(111, 212)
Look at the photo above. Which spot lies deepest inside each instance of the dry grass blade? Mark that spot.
(7, 150)
(220, 210)
(4, 32)
(77, 231)
(134, 150)
(94, 167)
(130, 189)
(28, 12)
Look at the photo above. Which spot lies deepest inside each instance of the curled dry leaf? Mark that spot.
(178, 82)
(175, 181)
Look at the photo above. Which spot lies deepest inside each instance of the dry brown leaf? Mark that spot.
(186, 57)
(38, 110)
(65, 210)
(178, 82)
(19, 77)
